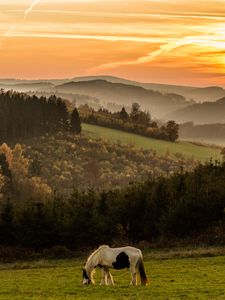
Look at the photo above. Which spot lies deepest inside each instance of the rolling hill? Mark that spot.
(201, 113)
(198, 152)
(198, 94)
(28, 86)
(157, 103)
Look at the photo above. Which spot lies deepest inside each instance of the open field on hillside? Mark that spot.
(199, 152)
(174, 278)
(209, 141)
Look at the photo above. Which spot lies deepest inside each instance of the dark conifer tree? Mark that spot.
(123, 114)
(23, 116)
(135, 112)
(7, 228)
(75, 122)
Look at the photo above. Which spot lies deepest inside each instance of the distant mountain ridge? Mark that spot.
(157, 103)
(199, 94)
(162, 100)
(201, 113)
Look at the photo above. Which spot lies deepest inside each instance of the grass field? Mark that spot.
(199, 152)
(174, 278)
(209, 141)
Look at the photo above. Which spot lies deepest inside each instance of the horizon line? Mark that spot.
(117, 77)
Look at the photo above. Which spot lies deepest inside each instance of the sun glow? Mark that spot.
(161, 41)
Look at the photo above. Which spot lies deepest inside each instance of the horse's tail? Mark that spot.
(141, 270)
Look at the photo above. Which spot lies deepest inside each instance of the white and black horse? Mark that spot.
(117, 258)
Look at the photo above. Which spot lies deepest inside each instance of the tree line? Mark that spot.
(23, 116)
(137, 121)
(186, 205)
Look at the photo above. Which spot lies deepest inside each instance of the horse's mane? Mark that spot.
(96, 251)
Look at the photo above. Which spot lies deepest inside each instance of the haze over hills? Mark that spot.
(201, 113)
(163, 101)
(27, 86)
(102, 92)
(13, 81)
(199, 94)
(157, 103)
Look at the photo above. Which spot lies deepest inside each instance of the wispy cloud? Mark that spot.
(111, 38)
(124, 35)
(140, 60)
(143, 16)
(29, 9)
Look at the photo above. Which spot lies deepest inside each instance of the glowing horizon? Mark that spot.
(170, 41)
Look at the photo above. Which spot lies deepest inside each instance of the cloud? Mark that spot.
(140, 60)
(160, 33)
(29, 10)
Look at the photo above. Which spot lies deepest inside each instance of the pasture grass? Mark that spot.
(198, 152)
(170, 278)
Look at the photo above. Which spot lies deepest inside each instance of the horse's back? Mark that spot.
(126, 249)
(130, 250)
(111, 255)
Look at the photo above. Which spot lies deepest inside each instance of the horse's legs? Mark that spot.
(133, 276)
(108, 276)
(104, 278)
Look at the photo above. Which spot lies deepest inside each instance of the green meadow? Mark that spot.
(173, 278)
(197, 151)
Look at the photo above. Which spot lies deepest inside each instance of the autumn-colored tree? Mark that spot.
(4, 166)
(17, 168)
(172, 130)
(7, 151)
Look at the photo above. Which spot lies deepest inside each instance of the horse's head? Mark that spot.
(86, 279)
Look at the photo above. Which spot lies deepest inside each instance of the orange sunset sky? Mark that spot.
(170, 41)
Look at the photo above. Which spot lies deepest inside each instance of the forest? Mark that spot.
(24, 116)
(185, 205)
(61, 162)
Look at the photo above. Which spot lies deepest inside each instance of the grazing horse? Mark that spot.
(117, 258)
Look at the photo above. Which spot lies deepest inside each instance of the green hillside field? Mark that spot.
(197, 151)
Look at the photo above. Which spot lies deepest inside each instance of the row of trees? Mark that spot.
(185, 205)
(137, 121)
(23, 116)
